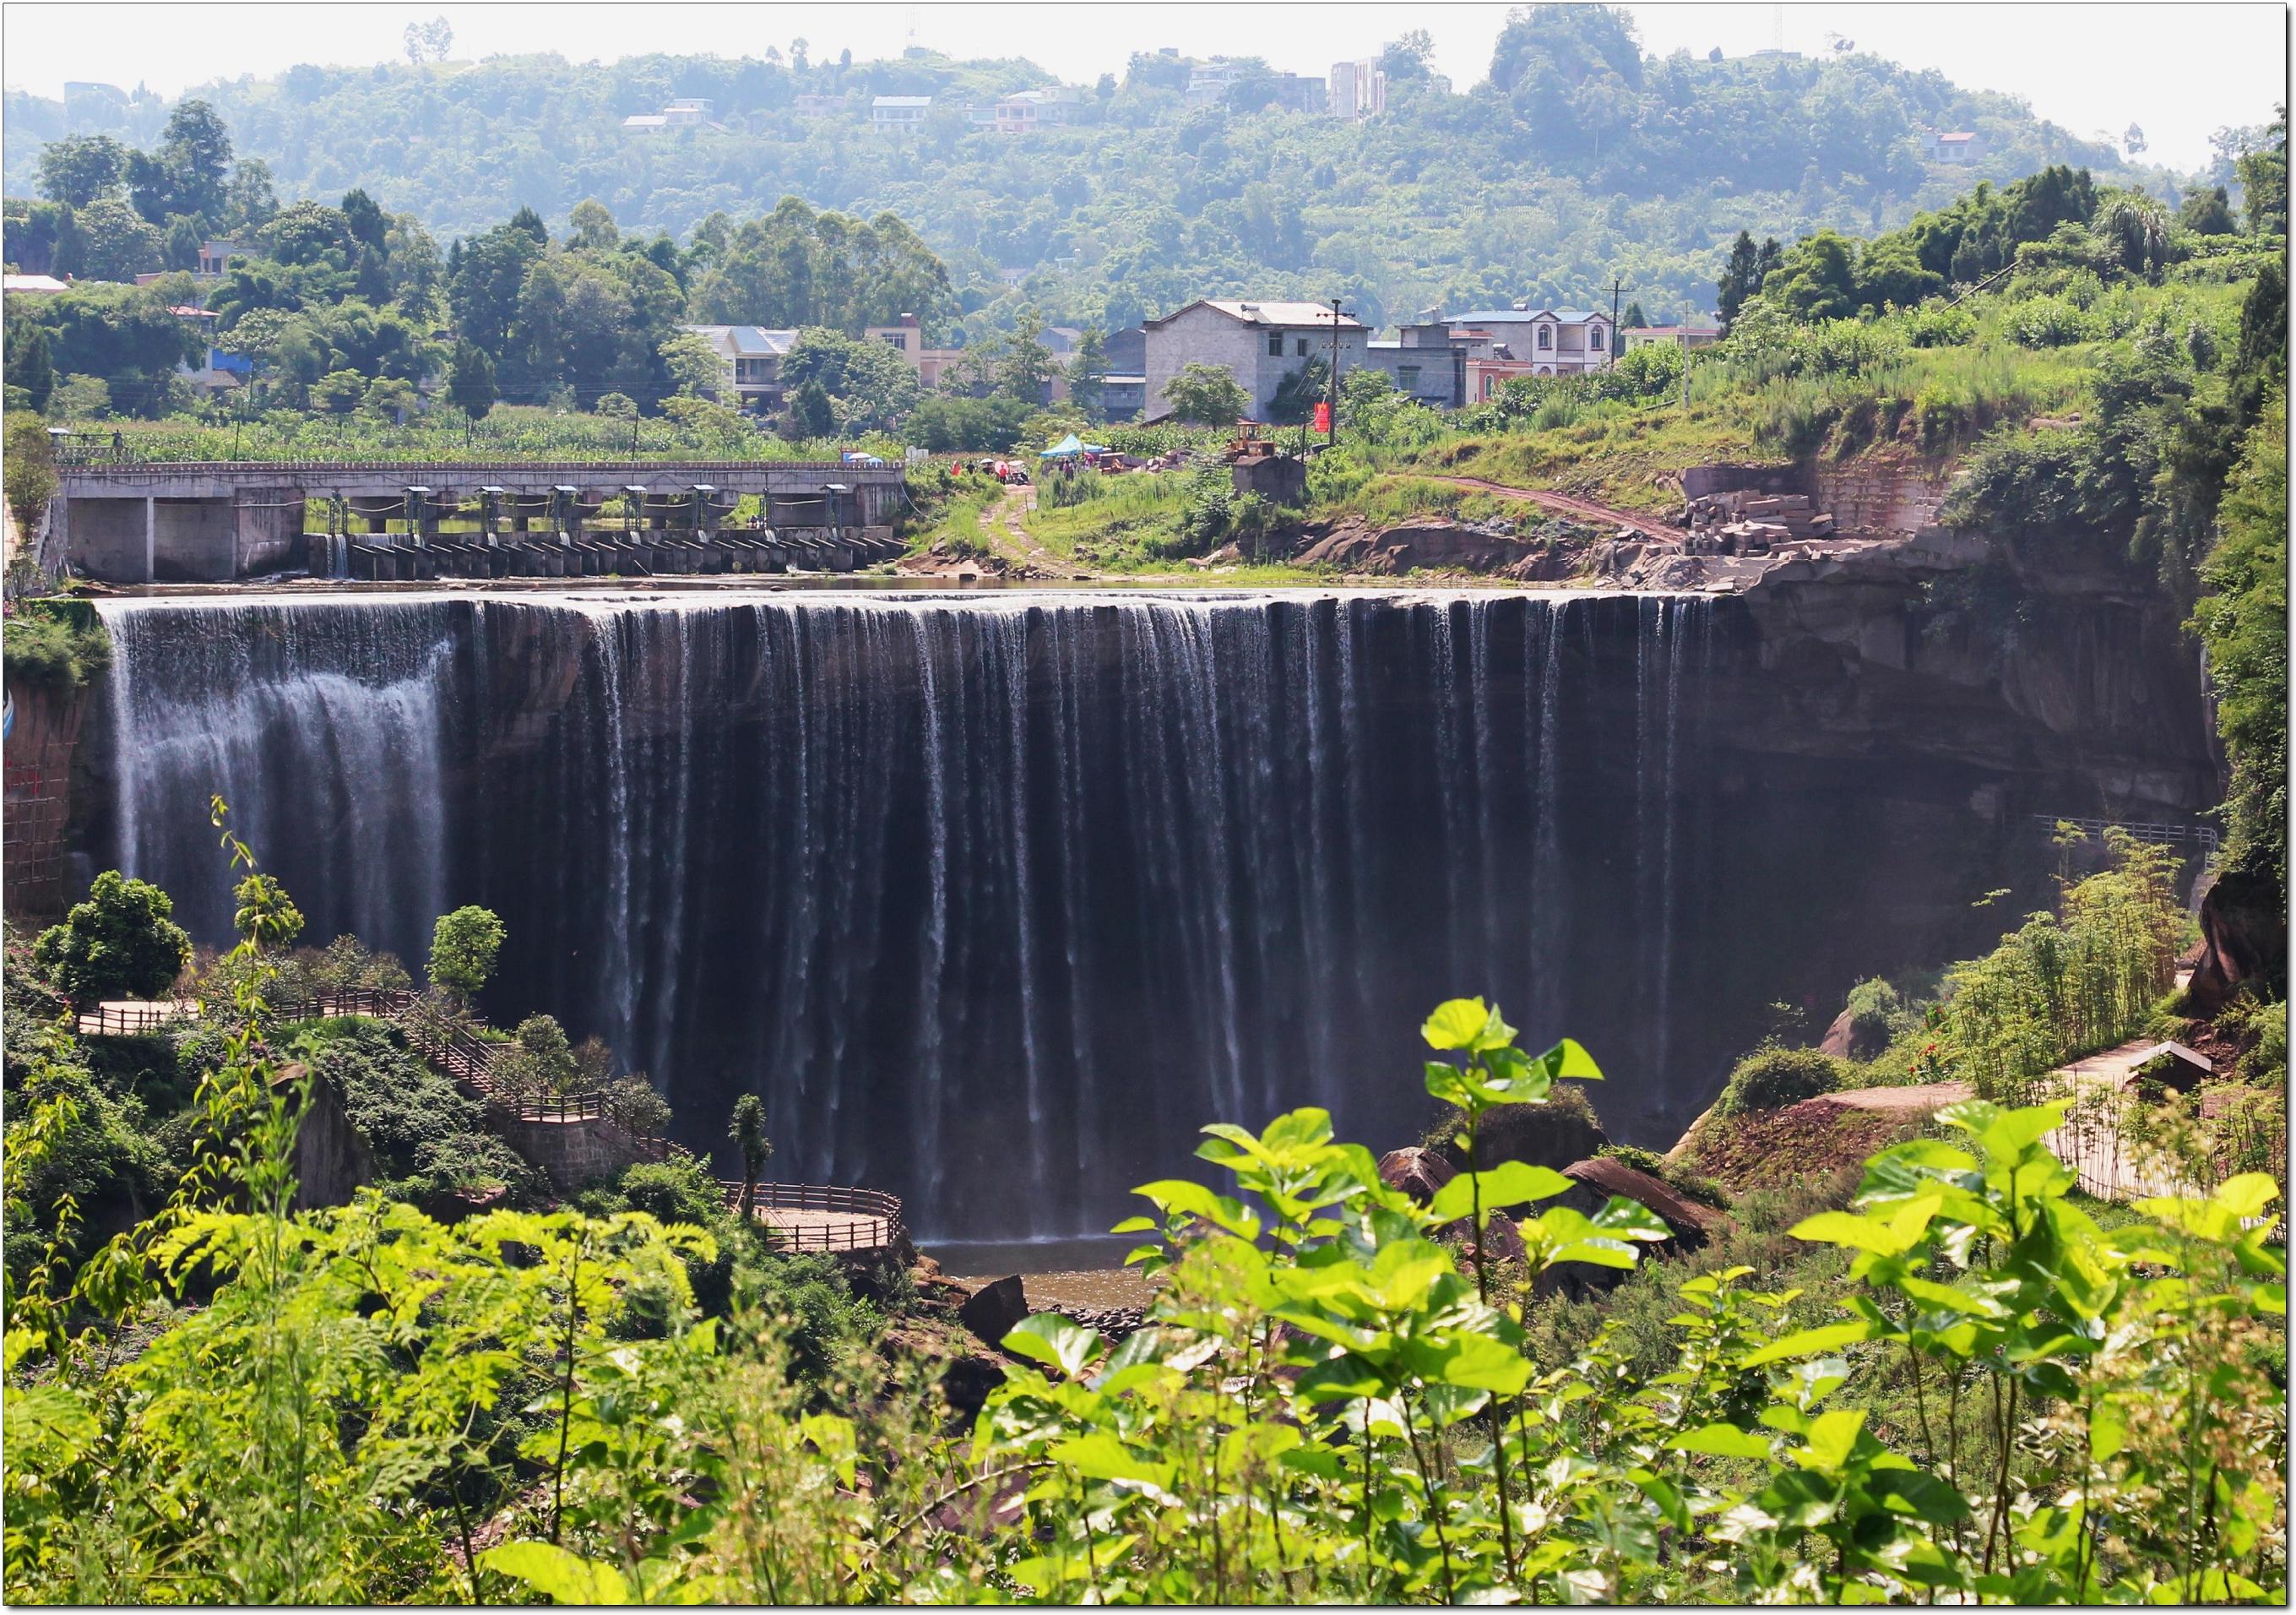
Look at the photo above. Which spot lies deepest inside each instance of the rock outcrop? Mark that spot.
(2244, 938)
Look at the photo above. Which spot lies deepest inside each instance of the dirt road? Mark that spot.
(1562, 504)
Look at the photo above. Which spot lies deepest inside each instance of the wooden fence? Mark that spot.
(848, 1219)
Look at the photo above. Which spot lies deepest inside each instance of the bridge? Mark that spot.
(209, 522)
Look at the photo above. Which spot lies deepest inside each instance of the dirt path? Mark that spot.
(1562, 504)
(1010, 536)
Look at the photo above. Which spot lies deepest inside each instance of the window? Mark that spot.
(1302, 348)
(1546, 336)
(1594, 338)
(1276, 344)
(1409, 376)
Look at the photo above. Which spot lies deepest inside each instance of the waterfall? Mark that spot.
(994, 899)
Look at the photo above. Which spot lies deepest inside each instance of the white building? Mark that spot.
(898, 112)
(753, 358)
(1356, 89)
(686, 112)
(1554, 342)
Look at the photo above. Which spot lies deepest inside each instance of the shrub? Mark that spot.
(1774, 1077)
(120, 941)
(45, 649)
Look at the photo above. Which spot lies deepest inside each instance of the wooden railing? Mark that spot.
(134, 1020)
(865, 1219)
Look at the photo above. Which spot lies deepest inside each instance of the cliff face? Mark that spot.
(2079, 692)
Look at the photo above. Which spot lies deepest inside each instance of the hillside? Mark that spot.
(1578, 159)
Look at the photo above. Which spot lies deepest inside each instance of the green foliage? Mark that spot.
(430, 1141)
(537, 1063)
(56, 648)
(2064, 984)
(1206, 395)
(1773, 1078)
(464, 947)
(122, 941)
(2242, 619)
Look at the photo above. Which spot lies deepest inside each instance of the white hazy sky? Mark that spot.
(2179, 70)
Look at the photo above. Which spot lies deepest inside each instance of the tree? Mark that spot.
(1744, 275)
(1028, 364)
(592, 227)
(2243, 619)
(120, 942)
(1206, 395)
(750, 1135)
(28, 468)
(188, 172)
(429, 41)
(2208, 213)
(28, 364)
(464, 947)
(807, 415)
(364, 220)
(265, 915)
(80, 167)
(1088, 370)
(537, 1063)
(1634, 318)
(116, 243)
(698, 368)
(471, 381)
(340, 391)
(2263, 171)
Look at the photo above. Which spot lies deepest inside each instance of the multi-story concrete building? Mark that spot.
(1259, 344)
(1356, 89)
(1554, 342)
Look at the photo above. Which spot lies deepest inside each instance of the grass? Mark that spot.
(1614, 455)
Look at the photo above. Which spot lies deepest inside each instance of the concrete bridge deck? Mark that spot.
(145, 522)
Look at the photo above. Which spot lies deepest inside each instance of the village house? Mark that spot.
(898, 112)
(686, 112)
(1554, 342)
(1032, 110)
(906, 337)
(1956, 146)
(1259, 344)
(1423, 362)
(753, 358)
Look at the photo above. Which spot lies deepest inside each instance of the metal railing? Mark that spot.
(871, 1218)
(2203, 836)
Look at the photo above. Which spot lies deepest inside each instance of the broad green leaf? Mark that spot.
(1049, 1339)
(2247, 1194)
(1721, 1440)
(1879, 1235)
(1101, 1456)
(558, 1575)
(1568, 1061)
(1180, 1196)
(1509, 1183)
(1831, 1437)
(1809, 1343)
(1462, 1023)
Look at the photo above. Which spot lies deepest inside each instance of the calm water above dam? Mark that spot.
(997, 898)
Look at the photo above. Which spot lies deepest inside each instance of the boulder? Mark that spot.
(1541, 1135)
(1418, 1173)
(2242, 938)
(994, 1309)
(967, 1382)
(1836, 1041)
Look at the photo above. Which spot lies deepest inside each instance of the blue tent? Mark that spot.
(1069, 448)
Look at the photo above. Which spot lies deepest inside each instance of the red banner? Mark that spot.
(1322, 415)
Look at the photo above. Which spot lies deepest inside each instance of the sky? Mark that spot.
(2178, 70)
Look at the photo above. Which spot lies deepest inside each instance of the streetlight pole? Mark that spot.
(1331, 384)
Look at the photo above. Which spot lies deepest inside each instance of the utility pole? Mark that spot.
(1331, 384)
(1615, 339)
(1685, 355)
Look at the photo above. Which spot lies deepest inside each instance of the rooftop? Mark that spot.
(748, 342)
(33, 282)
(901, 101)
(1265, 313)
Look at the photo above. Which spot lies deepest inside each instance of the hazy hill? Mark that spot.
(1580, 158)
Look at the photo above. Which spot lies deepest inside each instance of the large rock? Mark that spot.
(2243, 939)
(967, 1382)
(1540, 1135)
(1418, 1173)
(994, 1309)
